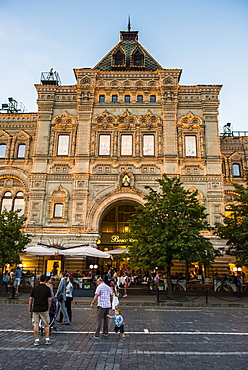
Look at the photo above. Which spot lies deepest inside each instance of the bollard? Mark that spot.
(206, 295)
(13, 292)
(157, 295)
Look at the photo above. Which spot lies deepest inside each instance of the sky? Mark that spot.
(207, 39)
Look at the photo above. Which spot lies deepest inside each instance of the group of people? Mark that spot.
(15, 277)
(42, 297)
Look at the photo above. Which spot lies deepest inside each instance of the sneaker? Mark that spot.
(47, 342)
(116, 335)
(105, 335)
(124, 296)
(36, 343)
(94, 337)
(123, 337)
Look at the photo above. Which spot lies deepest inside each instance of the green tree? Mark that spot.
(168, 228)
(12, 238)
(235, 227)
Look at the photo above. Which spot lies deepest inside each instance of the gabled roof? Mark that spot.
(127, 46)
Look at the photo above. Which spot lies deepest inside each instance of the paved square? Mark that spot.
(157, 338)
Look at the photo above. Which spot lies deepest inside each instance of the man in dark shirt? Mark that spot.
(39, 305)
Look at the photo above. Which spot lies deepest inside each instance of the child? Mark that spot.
(119, 322)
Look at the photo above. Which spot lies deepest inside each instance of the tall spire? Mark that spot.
(129, 24)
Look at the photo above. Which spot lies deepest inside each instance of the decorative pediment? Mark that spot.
(127, 120)
(149, 120)
(4, 135)
(59, 192)
(22, 135)
(190, 121)
(63, 121)
(235, 156)
(85, 81)
(105, 119)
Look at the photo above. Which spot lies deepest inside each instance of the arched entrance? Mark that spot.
(114, 223)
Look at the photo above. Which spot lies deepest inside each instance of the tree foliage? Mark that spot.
(169, 227)
(235, 227)
(12, 237)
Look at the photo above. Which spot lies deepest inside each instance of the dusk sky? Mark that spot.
(207, 39)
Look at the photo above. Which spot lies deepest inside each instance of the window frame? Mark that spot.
(101, 98)
(61, 210)
(3, 145)
(60, 146)
(122, 145)
(108, 145)
(127, 99)
(236, 165)
(19, 151)
(114, 98)
(145, 136)
(189, 152)
(153, 97)
(140, 98)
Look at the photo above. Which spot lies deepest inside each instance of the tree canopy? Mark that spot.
(169, 227)
(235, 227)
(12, 237)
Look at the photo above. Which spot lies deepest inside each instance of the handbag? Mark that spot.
(60, 297)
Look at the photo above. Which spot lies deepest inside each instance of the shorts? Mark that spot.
(43, 316)
(117, 328)
(17, 281)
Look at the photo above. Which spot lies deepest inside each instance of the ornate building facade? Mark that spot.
(79, 166)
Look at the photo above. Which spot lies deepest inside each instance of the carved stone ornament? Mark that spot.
(190, 120)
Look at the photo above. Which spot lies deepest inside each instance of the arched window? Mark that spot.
(21, 151)
(6, 201)
(2, 150)
(119, 58)
(138, 59)
(18, 202)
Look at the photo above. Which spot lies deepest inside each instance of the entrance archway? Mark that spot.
(114, 223)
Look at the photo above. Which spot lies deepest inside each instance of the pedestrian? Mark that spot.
(61, 296)
(69, 299)
(119, 322)
(239, 283)
(127, 281)
(39, 305)
(104, 296)
(18, 275)
(4, 281)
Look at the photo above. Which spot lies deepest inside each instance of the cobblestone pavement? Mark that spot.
(157, 338)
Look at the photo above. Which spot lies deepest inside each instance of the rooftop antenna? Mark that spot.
(129, 24)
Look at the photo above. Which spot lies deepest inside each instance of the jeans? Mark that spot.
(64, 311)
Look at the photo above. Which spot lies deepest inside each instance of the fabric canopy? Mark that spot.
(39, 250)
(118, 251)
(84, 251)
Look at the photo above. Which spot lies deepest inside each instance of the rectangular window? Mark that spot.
(127, 98)
(101, 98)
(190, 146)
(236, 170)
(63, 145)
(58, 210)
(153, 98)
(140, 98)
(114, 98)
(126, 144)
(21, 151)
(104, 145)
(2, 150)
(148, 145)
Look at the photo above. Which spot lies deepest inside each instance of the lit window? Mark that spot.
(140, 98)
(7, 201)
(21, 151)
(101, 98)
(104, 145)
(148, 145)
(2, 150)
(127, 98)
(114, 98)
(19, 202)
(126, 145)
(153, 98)
(58, 210)
(63, 145)
(236, 170)
(190, 146)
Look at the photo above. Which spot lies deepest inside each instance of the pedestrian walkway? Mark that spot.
(187, 299)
